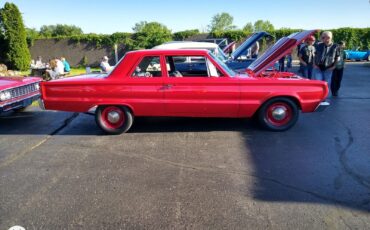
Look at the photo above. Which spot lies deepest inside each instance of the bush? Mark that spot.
(17, 55)
(182, 35)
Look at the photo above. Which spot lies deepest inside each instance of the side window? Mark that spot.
(149, 66)
(191, 66)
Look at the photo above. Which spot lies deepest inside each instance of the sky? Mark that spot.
(109, 16)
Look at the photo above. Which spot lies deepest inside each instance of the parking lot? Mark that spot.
(59, 171)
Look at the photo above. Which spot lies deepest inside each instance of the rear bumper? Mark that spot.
(322, 106)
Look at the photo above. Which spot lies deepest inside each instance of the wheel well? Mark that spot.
(294, 99)
(122, 105)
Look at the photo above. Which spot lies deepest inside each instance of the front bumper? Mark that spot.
(322, 106)
(19, 103)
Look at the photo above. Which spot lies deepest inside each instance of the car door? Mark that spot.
(197, 92)
(146, 83)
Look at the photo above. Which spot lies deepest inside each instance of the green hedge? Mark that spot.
(354, 37)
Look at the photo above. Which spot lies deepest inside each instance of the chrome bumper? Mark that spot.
(322, 106)
(41, 104)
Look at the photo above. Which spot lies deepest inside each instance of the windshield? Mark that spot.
(220, 54)
(223, 65)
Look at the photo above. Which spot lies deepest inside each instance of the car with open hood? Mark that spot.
(148, 83)
(17, 93)
(238, 60)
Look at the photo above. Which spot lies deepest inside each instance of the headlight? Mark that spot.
(8, 95)
(5, 96)
(2, 96)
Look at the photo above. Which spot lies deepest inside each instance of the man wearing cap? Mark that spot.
(306, 57)
(104, 65)
(326, 57)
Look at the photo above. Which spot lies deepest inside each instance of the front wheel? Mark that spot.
(114, 119)
(278, 114)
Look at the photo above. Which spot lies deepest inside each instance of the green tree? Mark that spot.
(261, 25)
(32, 34)
(221, 22)
(48, 31)
(138, 27)
(17, 55)
(248, 28)
(150, 34)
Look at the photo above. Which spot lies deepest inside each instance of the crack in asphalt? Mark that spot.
(344, 160)
(15, 157)
(244, 173)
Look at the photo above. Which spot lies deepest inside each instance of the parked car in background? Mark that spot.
(237, 61)
(357, 55)
(16, 93)
(148, 83)
(221, 42)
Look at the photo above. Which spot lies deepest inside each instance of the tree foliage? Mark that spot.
(48, 31)
(248, 28)
(150, 34)
(221, 22)
(182, 35)
(261, 25)
(15, 52)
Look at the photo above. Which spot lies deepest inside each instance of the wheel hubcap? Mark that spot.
(113, 117)
(279, 113)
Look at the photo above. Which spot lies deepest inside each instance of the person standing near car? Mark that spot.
(326, 57)
(306, 57)
(338, 71)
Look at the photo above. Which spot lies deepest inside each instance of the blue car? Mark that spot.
(357, 55)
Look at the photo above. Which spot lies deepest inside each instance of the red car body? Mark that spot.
(17, 93)
(234, 96)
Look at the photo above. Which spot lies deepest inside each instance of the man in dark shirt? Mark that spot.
(326, 58)
(338, 71)
(306, 57)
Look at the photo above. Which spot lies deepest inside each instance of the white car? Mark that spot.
(214, 48)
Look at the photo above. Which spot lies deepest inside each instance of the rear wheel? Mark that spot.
(114, 119)
(278, 114)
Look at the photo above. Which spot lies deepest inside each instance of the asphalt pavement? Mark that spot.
(59, 171)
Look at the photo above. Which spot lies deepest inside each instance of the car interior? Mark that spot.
(191, 66)
(148, 67)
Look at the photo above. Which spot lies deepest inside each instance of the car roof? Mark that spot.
(169, 52)
(187, 45)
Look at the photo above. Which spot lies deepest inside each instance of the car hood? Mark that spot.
(248, 43)
(11, 82)
(278, 50)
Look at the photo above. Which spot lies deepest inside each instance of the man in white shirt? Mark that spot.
(104, 65)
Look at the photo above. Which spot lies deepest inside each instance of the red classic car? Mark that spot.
(146, 83)
(16, 93)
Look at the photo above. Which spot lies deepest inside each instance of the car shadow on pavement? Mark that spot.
(308, 164)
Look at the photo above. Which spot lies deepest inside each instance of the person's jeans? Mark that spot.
(323, 75)
(307, 71)
(336, 80)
